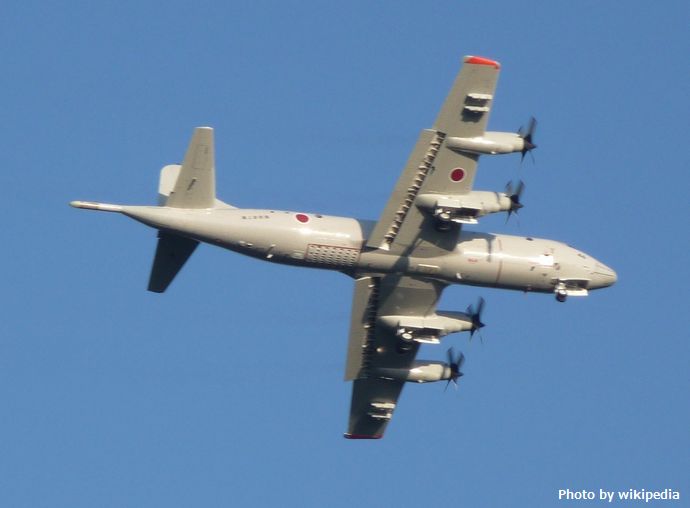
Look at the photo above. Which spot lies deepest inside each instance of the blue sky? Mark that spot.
(228, 389)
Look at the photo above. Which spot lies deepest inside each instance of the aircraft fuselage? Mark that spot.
(338, 243)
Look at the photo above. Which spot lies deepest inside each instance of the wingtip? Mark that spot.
(362, 436)
(480, 60)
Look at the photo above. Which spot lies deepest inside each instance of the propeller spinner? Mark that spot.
(515, 197)
(475, 313)
(455, 365)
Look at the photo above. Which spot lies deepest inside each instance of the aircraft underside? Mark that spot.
(402, 262)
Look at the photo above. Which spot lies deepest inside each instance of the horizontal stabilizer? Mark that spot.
(167, 182)
(172, 253)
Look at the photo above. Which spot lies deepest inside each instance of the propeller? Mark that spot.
(455, 365)
(475, 314)
(515, 197)
(528, 137)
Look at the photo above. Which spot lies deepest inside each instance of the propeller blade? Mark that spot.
(480, 306)
(528, 138)
(476, 316)
(519, 190)
(531, 128)
(454, 365)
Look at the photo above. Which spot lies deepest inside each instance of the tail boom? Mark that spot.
(101, 207)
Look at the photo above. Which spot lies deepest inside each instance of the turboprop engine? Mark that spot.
(430, 329)
(493, 143)
(467, 208)
(422, 371)
(427, 329)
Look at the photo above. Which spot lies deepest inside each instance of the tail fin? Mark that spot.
(195, 185)
(192, 184)
(166, 185)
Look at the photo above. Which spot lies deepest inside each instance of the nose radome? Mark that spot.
(603, 275)
(613, 275)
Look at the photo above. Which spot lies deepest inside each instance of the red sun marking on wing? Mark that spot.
(457, 175)
(302, 218)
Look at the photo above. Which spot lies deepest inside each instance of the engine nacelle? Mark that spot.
(464, 208)
(420, 372)
(427, 329)
(491, 143)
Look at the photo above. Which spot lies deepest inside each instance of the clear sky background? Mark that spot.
(228, 389)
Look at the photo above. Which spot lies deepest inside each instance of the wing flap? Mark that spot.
(417, 169)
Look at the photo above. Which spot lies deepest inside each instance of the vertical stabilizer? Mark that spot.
(195, 186)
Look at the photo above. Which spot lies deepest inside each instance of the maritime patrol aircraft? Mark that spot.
(401, 263)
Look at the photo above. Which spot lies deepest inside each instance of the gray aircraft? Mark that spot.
(400, 264)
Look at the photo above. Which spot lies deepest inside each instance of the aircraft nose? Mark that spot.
(603, 276)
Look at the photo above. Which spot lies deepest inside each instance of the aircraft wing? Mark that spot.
(373, 347)
(435, 169)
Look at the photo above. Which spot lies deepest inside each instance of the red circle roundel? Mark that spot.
(457, 175)
(302, 218)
